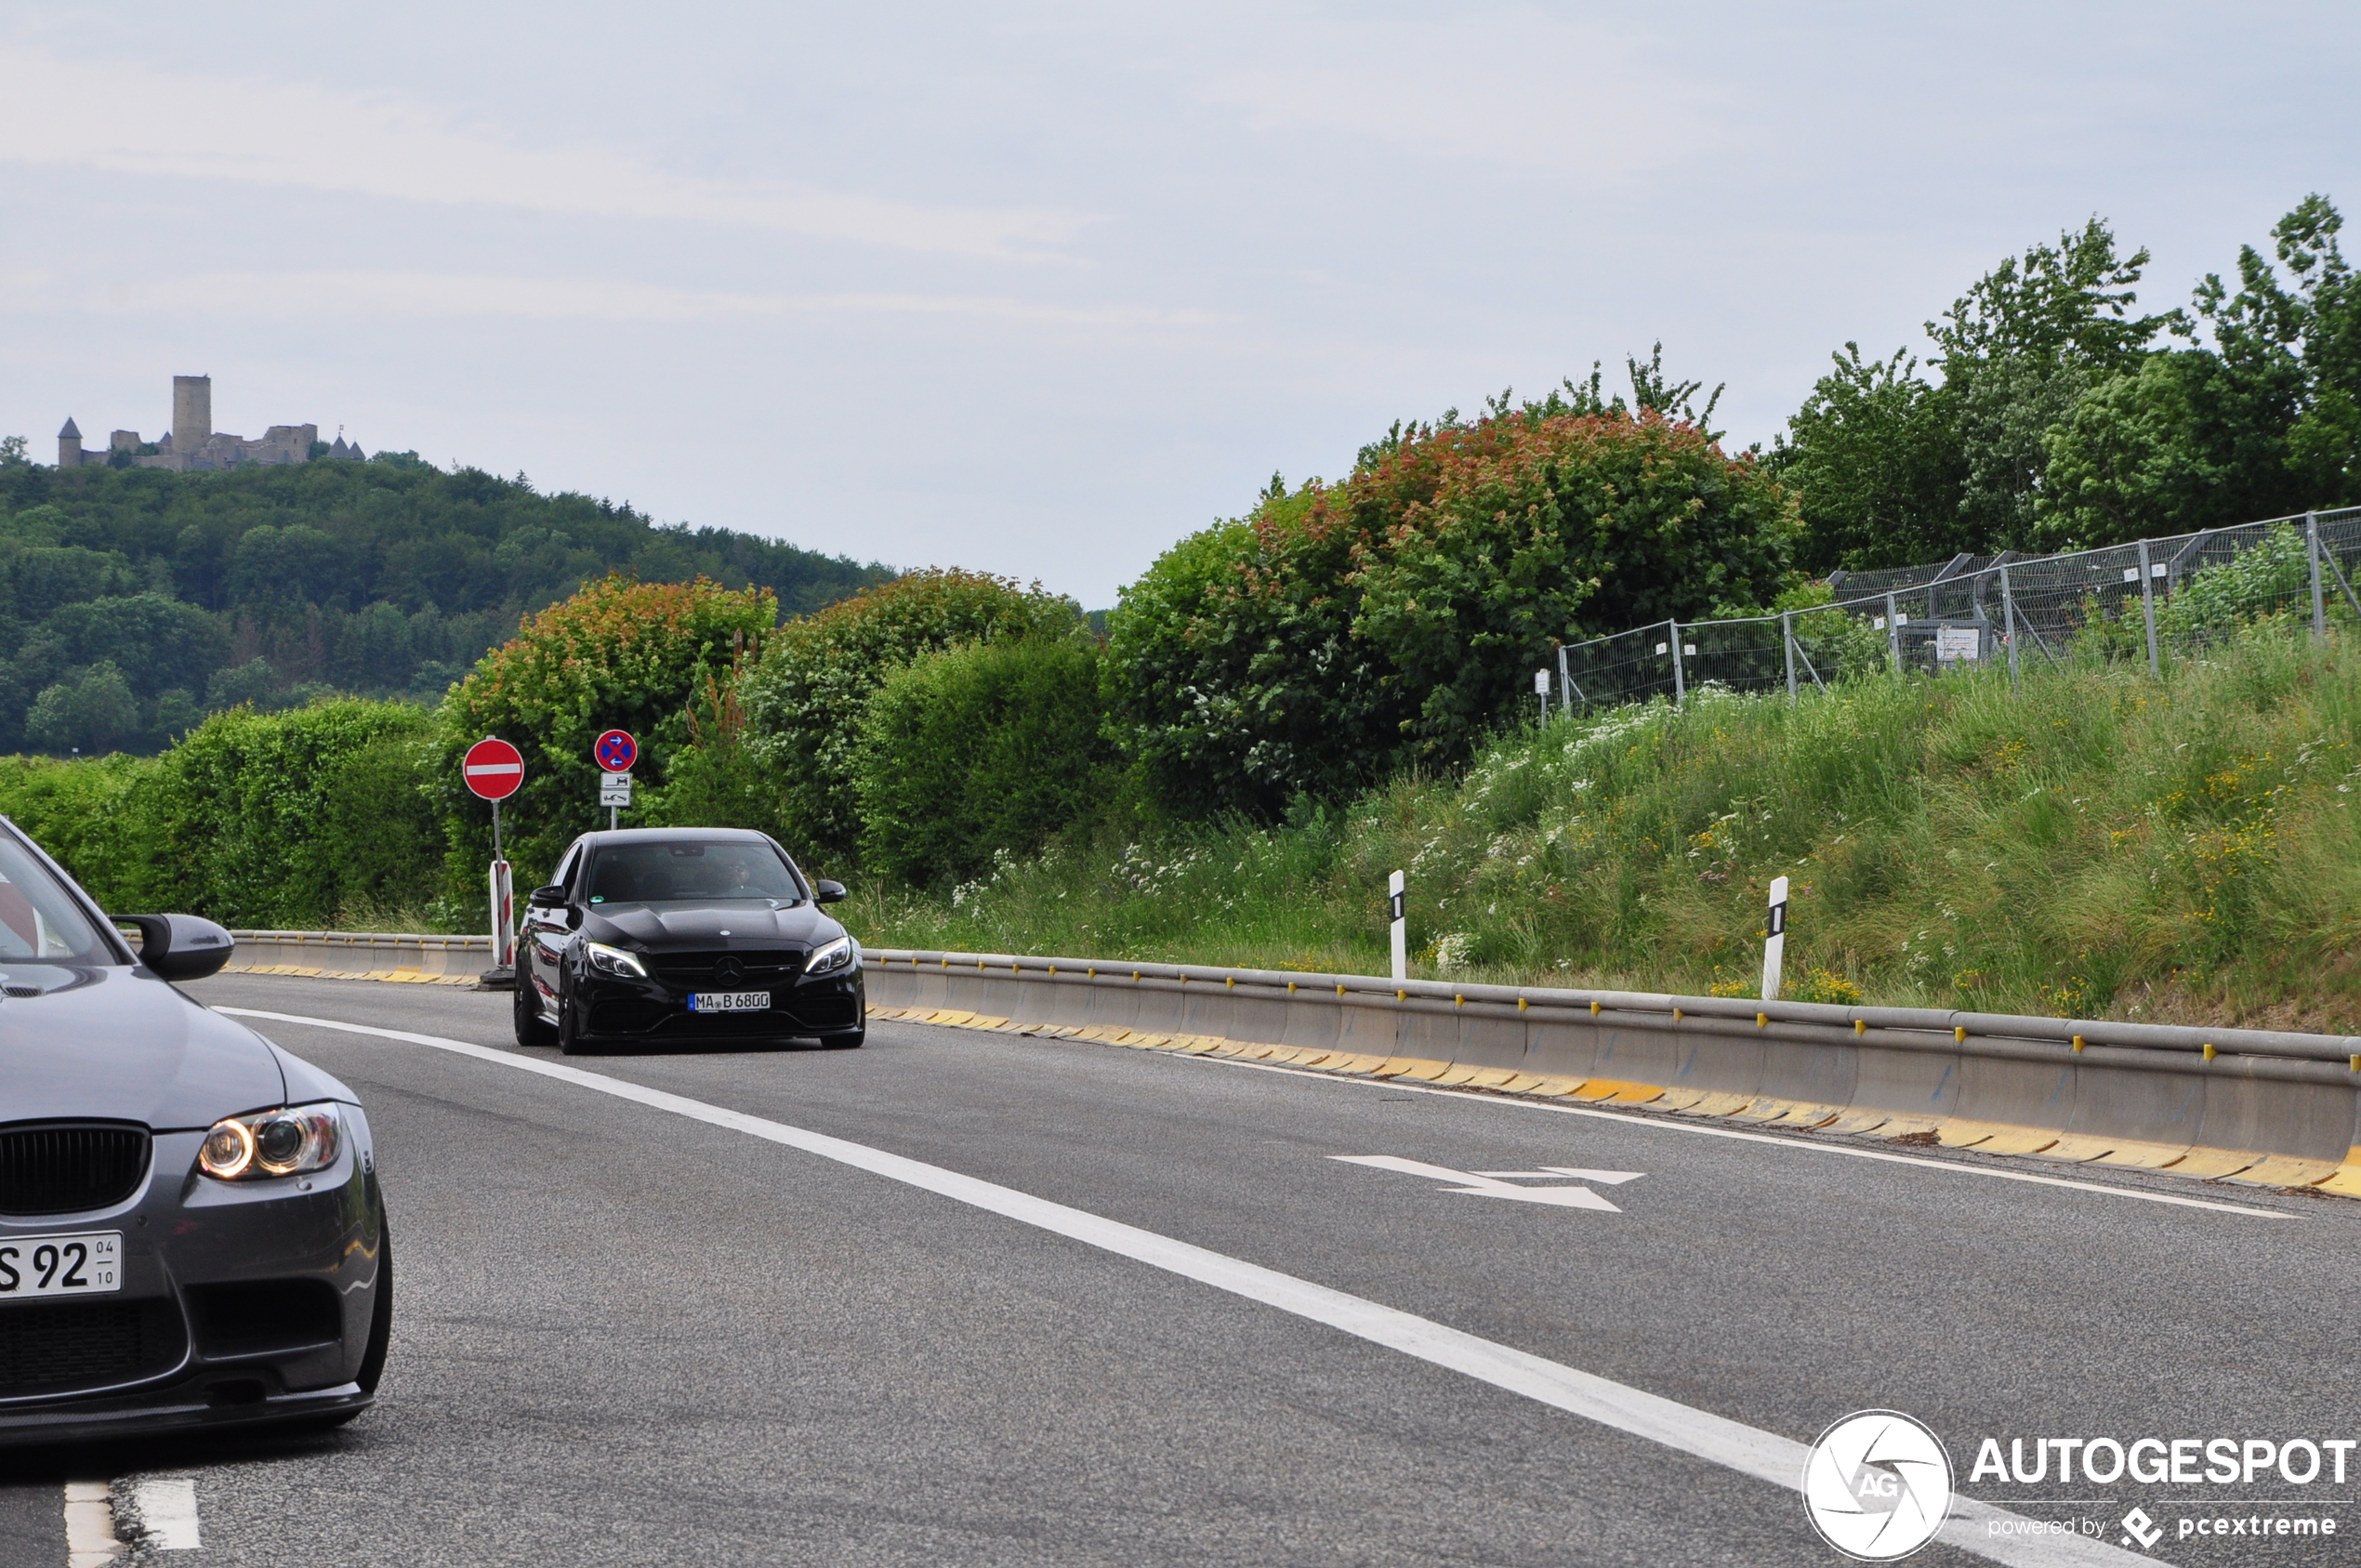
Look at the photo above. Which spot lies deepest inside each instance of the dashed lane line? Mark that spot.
(1972, 1526)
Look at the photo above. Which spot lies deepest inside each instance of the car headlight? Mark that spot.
(614, 960)
(270, 1144)
(830, 959)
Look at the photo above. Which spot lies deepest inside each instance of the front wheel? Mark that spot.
(570, 1040)
(531, 1028)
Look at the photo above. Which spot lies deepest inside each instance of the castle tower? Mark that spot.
(70, 446)
(191, 411)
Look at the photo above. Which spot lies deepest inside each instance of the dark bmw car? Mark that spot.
(681, 936)
(191, 1229)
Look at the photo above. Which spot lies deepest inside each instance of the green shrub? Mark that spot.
(618, 654)
(976, 750)
(805, 698)
(284, 819)
(1398, 616)
(92, 816)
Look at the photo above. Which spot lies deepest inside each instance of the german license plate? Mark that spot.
(83, 1263)
(730, 1002)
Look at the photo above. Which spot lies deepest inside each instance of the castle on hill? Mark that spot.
(192, 445)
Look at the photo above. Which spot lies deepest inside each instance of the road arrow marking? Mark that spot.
(1486, 1184)
(1604, 1177)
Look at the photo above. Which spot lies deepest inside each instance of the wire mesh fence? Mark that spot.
(2151, 599)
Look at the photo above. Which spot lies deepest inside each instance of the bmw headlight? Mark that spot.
(830, 959)
(270, 1144)
(614, 960)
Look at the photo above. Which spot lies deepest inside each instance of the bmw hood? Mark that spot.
(120, 1045)
(710, 927)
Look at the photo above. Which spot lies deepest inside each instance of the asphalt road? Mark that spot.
(629, 1336)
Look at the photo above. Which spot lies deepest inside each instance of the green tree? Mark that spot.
(2026, 341)
(977, 749)
(1874, 456)
(89, 711)
(806, 697)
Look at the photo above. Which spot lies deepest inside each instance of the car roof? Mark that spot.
(674, 836)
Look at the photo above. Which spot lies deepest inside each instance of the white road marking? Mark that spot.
(1482, 1184)
(90, 1538)
(1748, 1450)
(1631, 1119)
(165, 1507)
(1604, 1177)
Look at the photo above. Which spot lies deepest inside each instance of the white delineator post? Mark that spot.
(1401, 927)
(1541, 689)
(1775, 942)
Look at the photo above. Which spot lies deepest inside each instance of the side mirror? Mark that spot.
(825, 891)
(181, 946)
(551, 897)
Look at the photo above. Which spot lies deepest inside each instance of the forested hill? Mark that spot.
(133, 600)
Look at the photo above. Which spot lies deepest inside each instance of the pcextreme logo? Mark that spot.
(1877, 1485)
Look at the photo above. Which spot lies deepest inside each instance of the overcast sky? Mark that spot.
(1038, 289)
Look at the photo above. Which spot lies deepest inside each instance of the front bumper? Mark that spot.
(658, 1009)
(242, 1303)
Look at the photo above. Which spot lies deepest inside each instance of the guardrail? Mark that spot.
(2265, 1106)
(363, 955)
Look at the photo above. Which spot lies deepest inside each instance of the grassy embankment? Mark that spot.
(2100, 844)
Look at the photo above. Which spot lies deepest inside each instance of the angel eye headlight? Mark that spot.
(266, 1143)
(614, 960)
(830, 959)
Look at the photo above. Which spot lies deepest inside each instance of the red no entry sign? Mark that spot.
(494, 768)
(615, 751)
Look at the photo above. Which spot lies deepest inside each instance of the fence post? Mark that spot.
(1565, 684)
(1893, 634)
(2148, 610)
(1680, 681)
(2009, 619)
(1786, 641)
(2311, 549)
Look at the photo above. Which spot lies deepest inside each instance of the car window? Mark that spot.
(690, 873)
(563, 876)
(38, 919)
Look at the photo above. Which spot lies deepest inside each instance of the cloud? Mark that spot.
(126, 118)
(433, 294)
(1515, 89)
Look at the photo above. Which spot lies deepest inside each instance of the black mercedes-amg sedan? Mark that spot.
(191, 1229)
(676, 936)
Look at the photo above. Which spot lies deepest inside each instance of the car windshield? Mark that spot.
(38, 919)
(690, 873)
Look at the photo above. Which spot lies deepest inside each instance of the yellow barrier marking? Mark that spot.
(1905, 1126)
(2210, 1052)
(1521, 1082)
(1764, 1107)
(2147, 1156)
(1954, 1132)
(2078, 1042)
(1458, 1075)
(1858, 1122)
(1519, 1004)
(1492, 1077)
(1715, 1103)
(1762, 1020)
(1860, 1026)
(2018, 1141)
(2207, 1162)
(1426, 1071)
(1561, 1086)
(1608, 1089)
(2286, 1170)
(2079, 1147)
(1678, 1099)
(1594, 1006)
(1959, 1033)
(2346, 1181)
(1291, 991)
(1676, 1015)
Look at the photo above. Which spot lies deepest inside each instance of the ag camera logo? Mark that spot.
(1877, 1485)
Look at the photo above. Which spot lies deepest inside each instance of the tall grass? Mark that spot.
(2096, 844)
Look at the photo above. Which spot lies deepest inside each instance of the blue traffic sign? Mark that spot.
(615, 751)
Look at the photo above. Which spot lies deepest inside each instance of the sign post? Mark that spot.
(1401, 927)
(1775, 942)
(495, 770)
(615, 752)
(1541, 689)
